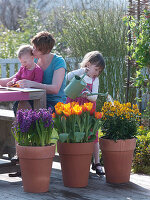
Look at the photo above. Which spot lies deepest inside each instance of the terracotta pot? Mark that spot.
(117, 157)
(75, 163)
(36, 165)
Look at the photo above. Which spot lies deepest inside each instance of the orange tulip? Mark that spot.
(88, 106)
(67, 106)
(98, 115)
(77, 110)
(59, 108)
(67, 113)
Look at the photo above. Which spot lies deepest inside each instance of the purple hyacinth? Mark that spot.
(27, 119)
(45, 116)
(24, 120)
(29, 124)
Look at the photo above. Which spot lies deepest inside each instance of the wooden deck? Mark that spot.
(137, 189)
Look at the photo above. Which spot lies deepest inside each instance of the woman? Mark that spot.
(54, 68)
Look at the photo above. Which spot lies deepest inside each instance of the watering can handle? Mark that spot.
(83, 76)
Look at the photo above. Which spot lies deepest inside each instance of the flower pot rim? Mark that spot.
(75, 148)
(36, 146)
(31, 151)
(103, 138)
(74, 142)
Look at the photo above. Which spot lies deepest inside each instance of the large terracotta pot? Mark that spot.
(75, 163)
(117, 157)
(36, 165)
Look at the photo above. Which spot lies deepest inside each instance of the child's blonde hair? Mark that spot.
(25, 49)
(94, 57)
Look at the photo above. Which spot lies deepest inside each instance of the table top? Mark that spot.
(13, 96)
(16, 95)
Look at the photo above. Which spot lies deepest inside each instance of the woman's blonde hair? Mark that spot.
(94, 57)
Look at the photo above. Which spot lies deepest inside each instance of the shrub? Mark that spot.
(141, 162)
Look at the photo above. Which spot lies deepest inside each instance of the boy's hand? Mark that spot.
(10, 83)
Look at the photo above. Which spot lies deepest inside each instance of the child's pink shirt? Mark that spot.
(33, 75)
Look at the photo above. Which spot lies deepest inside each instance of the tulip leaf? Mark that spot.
(79, 136)
(71, 136)
(63, 137)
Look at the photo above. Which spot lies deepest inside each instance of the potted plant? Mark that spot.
(32, 130)
(119, 127)
(76, 126)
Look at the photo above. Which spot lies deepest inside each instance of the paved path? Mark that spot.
(137, 189)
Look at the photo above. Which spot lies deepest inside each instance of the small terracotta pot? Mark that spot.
(36, 165)
(117, 157)
(75, 163)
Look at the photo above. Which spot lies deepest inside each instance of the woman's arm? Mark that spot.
(4, 81)
(58, 78)
(54, 88)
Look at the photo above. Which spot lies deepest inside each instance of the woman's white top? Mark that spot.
(88, 80)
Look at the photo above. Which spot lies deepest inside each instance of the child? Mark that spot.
(29, 70)
(92, 64)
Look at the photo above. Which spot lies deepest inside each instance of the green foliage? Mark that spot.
(119, 129)
(140, 51)
(32, 24)
(140, 31)
(87, 30)
(9, 40)
(141, 162)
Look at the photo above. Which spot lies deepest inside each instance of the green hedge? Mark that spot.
(141, 162)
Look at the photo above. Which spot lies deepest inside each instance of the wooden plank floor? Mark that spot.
(137, 189)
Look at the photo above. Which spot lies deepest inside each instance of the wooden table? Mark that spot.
(16, 94)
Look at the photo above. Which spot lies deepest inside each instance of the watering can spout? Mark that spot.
(110, 99)
(101, 94)
(106, 94)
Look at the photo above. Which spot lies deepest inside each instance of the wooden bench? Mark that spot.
(7, 115)
(8, 67)
(7, 142)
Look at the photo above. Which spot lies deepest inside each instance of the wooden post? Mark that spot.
(129, 53)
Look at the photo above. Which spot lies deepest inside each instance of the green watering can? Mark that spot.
(75, 87)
